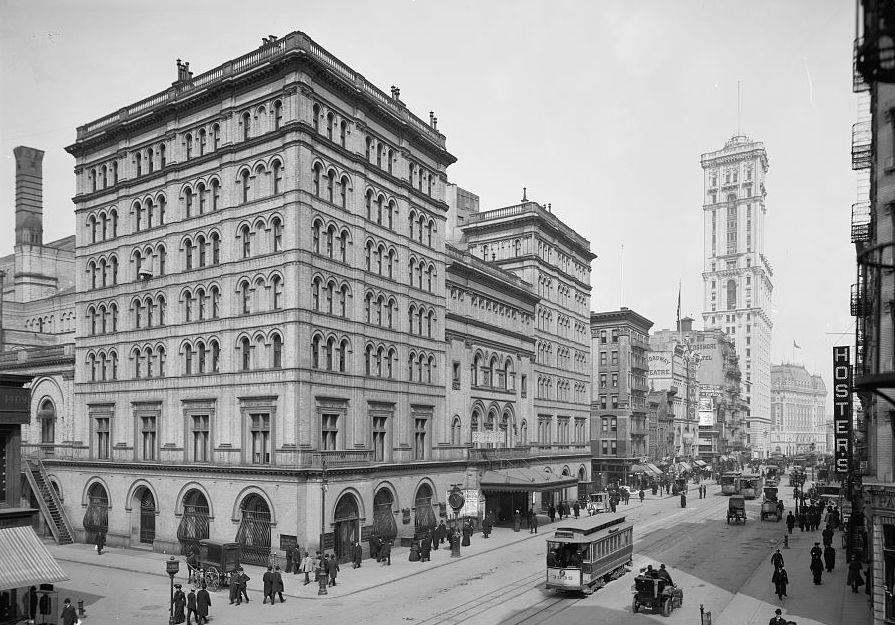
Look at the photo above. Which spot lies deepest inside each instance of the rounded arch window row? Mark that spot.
(201, 140)
(102, 271)
(492, 419)
(422, 227)
(102, 365)
(381, 258)
(148, 361)
(330, 123)
(200, 197)
(493, 371)
(201, 250)
(421, 273)
(380, 153)
(149, 261)
(330, 239)
(47, 323)
(102, 176)
(330, 295)
(261, 235)
(421, 367)
(330, 184)
(260, 180)
(201, 302)
(330, 351)
(102, 225)
(149, 212)
(421, 320)
(260, 293)
(381, 209)
(261, 119)
(149, 311)
(496, 307)
(102, 318)
(380, 308)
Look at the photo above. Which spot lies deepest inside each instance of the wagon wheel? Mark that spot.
(635, 605)
(212, 579)
(667, 607)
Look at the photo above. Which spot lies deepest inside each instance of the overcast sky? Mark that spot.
(600, 108)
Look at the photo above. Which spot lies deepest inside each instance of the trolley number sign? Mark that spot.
(564, 578)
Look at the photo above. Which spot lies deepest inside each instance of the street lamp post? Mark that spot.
(172, 566)
(321, 590)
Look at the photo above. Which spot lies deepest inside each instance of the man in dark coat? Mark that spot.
(467, 534)
(486, 526)
(203, 602)
(179, 604)
(243, 586)
(816, 551)
(357, 555)
(297, 556)
(332, 568)
(827, 536)
(780, 579)
(854, 574)
(576, 508)
(268, 585)
(69, 615)
(374, 546)
(100, 542)
(534, 522)
(277, 585)
(191, 607)
(385, 553)
(777, 559)
(683, 499)
(234, 588)
(817, 569)
(551, 512)
(830, 558)
(778, 619)
(441, 533)
(790, 521)
(426, 548)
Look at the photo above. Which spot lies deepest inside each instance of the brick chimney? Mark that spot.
(29, 196)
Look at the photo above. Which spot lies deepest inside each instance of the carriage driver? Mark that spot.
(662, 573)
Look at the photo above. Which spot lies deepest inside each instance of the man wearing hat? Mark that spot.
(179, 603)
(778, 619)
(277, 584)
(191, 607)
(816, 551)
(268, 585)
(69, 615)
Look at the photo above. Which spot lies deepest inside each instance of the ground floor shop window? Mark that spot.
(889, 566)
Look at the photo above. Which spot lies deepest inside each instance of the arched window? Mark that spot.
(343, 130)
(105, 180)
(245, 295)
(245, 186)
(188, 306)
(277, 292)
(315, 351)
(330, 183)
(245, 354)
(201, 141)
(200, 193)
(215, 194)
(277, 172)
(114, 172)
(150, 160)
(138, 157)
(188, 201)
(343, 246)
(277, 348)
(455, 432)
(246, 126)
(215, 302)
(731, 294)
(246, 236)
(317, 172)
(277, 115)
(162, 202)
(215, 356)
(343, 301)
(188, 249)
(329, 126)
(343, 192)
(188, 141)
(215, 248)
(187, 360)
(343, 356)
(315, 117)
(276, 234)
(216, 136)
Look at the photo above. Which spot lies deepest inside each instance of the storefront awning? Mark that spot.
(700, 463)
(684, 466)
(523, 480)
(653, 469)
(639, 468)
(24, 561)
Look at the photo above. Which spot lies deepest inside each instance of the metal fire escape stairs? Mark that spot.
(50, 505)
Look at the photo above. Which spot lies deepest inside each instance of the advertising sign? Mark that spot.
(842, 406)
(472, 505)
(710, 390)
(564, 578)
(660, 365)
(487, 437)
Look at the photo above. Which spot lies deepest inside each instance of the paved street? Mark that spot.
(725, 568)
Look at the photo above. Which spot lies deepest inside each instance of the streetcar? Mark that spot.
(729, 483)
(750, 485)
(588, 555)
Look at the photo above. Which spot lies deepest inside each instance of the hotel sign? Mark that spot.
(15, 405)
(842, 405)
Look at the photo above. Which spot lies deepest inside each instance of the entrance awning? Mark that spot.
(639, 468)
(653, 469)
(523, 480)
(684, 466)
(24, 561)
(699, 463)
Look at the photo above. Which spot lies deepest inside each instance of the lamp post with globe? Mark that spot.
(172, 566)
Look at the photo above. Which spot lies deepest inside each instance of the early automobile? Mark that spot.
(656, 594)
(771, 506)
(599, 502)
(736, 509)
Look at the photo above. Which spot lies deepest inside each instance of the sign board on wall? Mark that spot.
(660, 365)
(842, 406)
(487, 437)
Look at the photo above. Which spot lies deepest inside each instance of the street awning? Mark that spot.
(524, 480)
(684, 466)
(24, 561)
(639, 468)
(699, 463)
(653, 469)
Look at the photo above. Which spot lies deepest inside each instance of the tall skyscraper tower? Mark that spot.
(737, 274)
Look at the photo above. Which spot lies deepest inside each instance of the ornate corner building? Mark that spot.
(292, 328)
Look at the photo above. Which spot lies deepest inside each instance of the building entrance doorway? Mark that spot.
(346, 527)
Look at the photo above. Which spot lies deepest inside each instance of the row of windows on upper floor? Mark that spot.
(561, 390)
(202, 197)
(204, 250)
(263, 294)
(48, 323)
(562, 357)
(730, 174)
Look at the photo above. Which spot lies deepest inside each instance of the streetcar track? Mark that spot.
(479, 604)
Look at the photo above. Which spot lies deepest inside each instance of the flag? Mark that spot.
(795, 345)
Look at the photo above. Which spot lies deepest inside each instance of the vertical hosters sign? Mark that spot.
(841, 407)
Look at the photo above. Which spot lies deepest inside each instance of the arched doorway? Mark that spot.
(568, 494)
(346, 526)
(383, 517)
(193, 522)
(143, 524)
(253, 534)
(46, 414)
(96, 518)
(424, 517)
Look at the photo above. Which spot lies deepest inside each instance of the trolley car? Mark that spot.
(729, 485)
(587, 556)
(750, 485)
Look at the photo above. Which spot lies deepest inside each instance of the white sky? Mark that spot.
(600, 108)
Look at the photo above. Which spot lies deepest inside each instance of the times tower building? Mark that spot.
(737, 274)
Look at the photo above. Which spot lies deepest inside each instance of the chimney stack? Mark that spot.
(29, 195)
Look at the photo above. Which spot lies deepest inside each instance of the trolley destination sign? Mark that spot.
(841, 407)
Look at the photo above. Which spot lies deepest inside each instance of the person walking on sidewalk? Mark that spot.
(683, 499)
(830, 558)
(69, 615)
(817, 569)
(191, 607)
(332, 568)
(267, 579)
(385, 553)
(778, 619)
(777, 559)
(277, 585)
(243, 586)
(551, 512)
(203, 602)
(780, 579)
(641, 494)
(179, 604)
(854, 574)
(307, 567)
(534, 523)
(790, 522)
(100, 542)
(357, 555)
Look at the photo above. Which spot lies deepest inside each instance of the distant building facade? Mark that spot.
(737, 274)
(620, 412)
(798, 411)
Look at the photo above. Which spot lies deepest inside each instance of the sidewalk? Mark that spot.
(831, 603)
